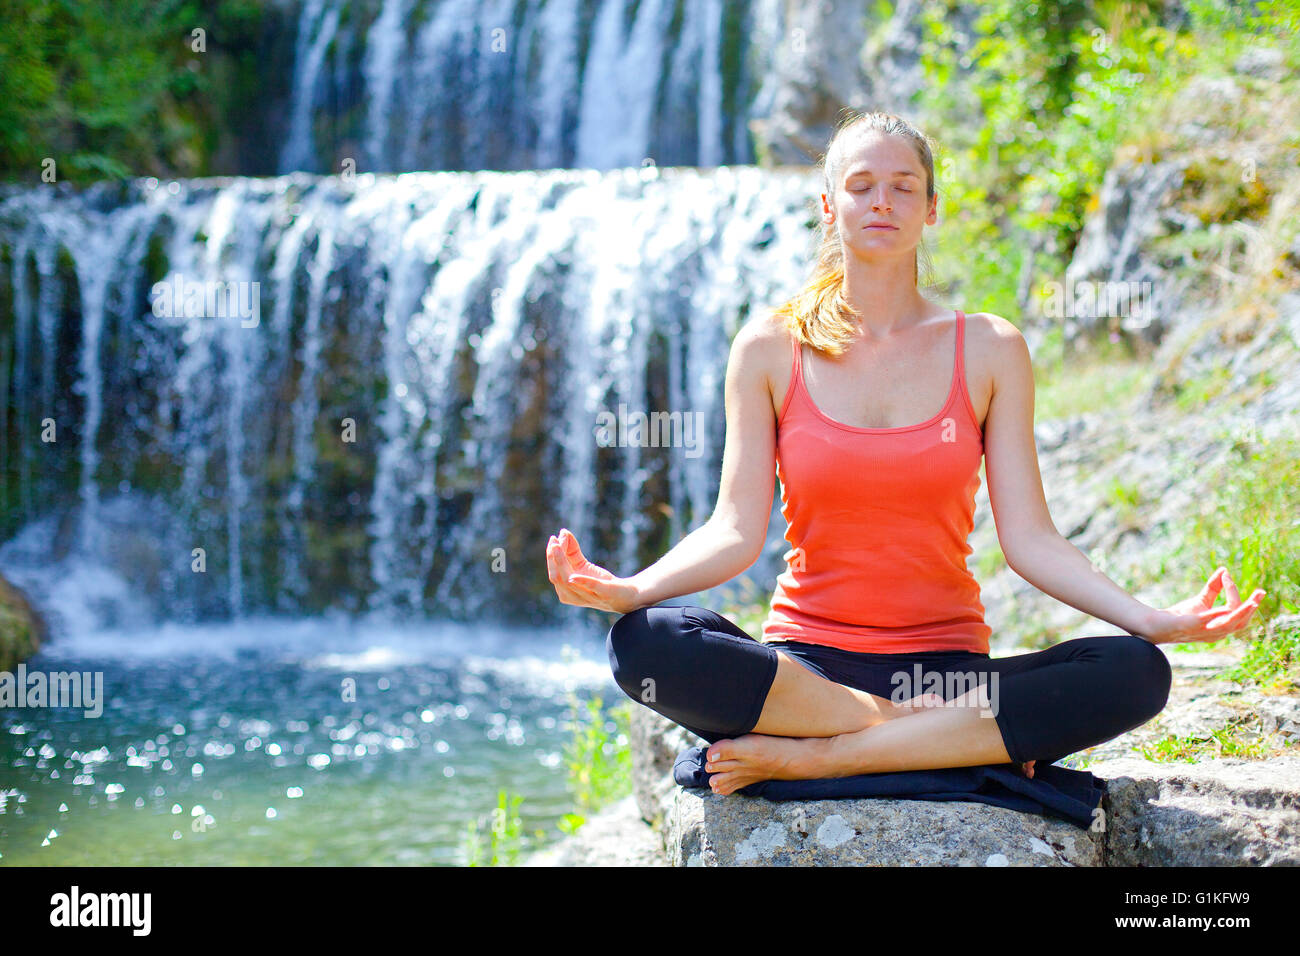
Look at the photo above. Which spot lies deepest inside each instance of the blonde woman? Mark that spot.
(874, 656)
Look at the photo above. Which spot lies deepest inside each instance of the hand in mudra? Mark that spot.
(1196, 619)
(579, 582)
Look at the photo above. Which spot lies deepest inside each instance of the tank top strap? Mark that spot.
(795, 375)
(960, 365)
(959, 369)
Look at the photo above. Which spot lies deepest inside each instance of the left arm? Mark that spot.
(1033, 547)
(1055, 566)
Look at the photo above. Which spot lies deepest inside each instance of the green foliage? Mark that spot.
(112, 88)
(1271, 662)
(1197, 393)
(1246, 522)
(598, 763)
(1053, 87)
(1124, 495)
(1232, 741)
(597, 757)
(1034, 105)
(504, 837)
(989, 562)
(1087, 385)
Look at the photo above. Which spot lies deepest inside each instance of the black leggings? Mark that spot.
(701, 671)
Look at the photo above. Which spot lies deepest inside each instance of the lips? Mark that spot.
(880, 225)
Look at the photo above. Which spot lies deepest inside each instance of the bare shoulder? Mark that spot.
(765, 329)
(999, 344)
(991, 328)
(761, 350)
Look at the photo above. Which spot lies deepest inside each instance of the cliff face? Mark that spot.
(826, 57)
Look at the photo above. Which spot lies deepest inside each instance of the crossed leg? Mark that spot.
(946, 734)
(1052, 703)
(768, 716)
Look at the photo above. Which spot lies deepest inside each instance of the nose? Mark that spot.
(880, 198)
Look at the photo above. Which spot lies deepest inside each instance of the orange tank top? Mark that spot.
(878, 521)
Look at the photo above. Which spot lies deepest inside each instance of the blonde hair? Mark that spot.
(819, 315)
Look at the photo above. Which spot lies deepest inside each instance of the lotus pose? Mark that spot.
(874, 655)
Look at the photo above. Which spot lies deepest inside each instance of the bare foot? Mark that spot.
(749, 758)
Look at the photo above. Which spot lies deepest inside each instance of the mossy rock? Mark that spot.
(21, 628)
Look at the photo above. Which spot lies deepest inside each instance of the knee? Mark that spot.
(1147, 670)
(632, 645)
(623, 637)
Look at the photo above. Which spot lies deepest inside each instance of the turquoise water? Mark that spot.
(241, 745)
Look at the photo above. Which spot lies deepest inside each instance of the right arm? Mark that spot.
(732, 538)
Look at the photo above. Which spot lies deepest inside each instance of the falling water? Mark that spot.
(466, 84)
(317, 26)
(470, 326)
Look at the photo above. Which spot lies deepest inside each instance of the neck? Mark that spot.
(885, 296)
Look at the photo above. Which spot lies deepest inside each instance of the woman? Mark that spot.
(874, 656)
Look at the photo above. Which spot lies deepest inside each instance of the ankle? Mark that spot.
(845, 755)
(815, 760)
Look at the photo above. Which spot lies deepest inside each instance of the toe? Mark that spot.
(722, 750)
(723, 783)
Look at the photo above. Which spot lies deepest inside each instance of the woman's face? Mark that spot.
(879, 201)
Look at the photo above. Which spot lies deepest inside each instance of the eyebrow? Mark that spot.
(867, 172)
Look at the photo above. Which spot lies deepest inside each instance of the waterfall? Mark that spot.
(507, 85)
(316, 29)
(374, 393)
(382, 52)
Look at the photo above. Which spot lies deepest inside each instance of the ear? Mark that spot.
(932, 216)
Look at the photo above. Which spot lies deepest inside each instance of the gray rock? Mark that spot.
(705, 829)
(1110, 263)
(1214, 813)
(819, 58)
(655, 743)
(1198, 718)
(1288, 306)
(1261, 61)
